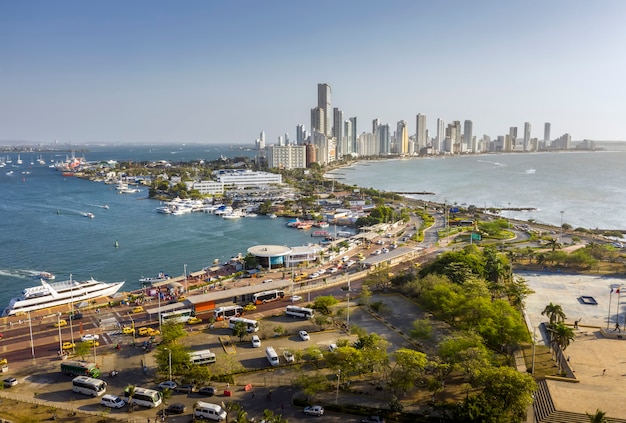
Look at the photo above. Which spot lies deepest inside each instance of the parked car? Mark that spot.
(373, 419)
(168, 384)
(89, 337)
(208, 391)
(332, 347)
(187, 388)
(295, 298)
(143, 331)
(289, 358)
(68, 345)
(138, 309)
(256, 341)
(126, 330)
(194, 321)
(60, 323)
(76, 316)
(92, 342)
(304, 335)
(314, 410)
(10, 381)
(175, 408)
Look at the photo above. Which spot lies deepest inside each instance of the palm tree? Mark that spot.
(553, 244)
(130, 390)
(166, 394)
(562, 336)
(598, 417)
(555, 313)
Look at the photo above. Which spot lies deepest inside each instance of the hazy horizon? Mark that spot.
(153, 71)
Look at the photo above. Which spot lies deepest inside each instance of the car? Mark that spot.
(332, 347)
(92, 343)
(314, 410)
(393, 246)
(296, 298)
(143, 331)
(126, 330)
(112, 401)
(333, 270)
(321, 271)
(380, 242)
(377, 252)
(345, 258)
(89, 337)
(138, 309)
(187, 388)
(176, 408)
(373, 419)
(256, 341)
(385, 250)
(10, 381)
(304, 335)
(153, 332)
(194, 321)
(267, 281)
(3, 361)
(208, 391)
(60, 323)
(76, 316)
(168, 384)
(313, 275)
(289, 358)
(68, 345)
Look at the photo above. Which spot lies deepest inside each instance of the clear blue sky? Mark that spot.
(223, 71)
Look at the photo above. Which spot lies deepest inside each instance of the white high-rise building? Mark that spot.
(468, 126)
(402, 137)
(526, 145)
(546, 134)
(420, 132)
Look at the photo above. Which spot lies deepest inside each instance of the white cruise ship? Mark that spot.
(60, 293)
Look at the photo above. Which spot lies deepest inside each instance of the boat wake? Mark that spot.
(493, 163)
(20, 273)
(530, 171)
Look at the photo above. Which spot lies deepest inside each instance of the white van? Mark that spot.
(206, 410)
(112, 401)
(271, 355)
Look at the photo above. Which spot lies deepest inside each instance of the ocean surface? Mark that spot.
(43, 227)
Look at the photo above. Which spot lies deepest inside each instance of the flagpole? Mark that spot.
(619, 293)
(608, 317)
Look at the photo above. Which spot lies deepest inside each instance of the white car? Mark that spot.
(304, 335)
(321, 271)
(313, 275)
(296, 298)
(289, 358)
(168, 384)
(377, 252)
(314, 410)
(333, 270)
(385, 250)
(332, 347)
(256, 341)
(89, 337)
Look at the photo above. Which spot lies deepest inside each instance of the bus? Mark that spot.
(80, 368)
(144, 397)
(271, 355)
(302, 312)
(225, 313)
(89, 386)
(251, 325)
(202, 357)
(178, 316)
(267, 296)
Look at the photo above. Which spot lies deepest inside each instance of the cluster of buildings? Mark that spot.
(333, 138)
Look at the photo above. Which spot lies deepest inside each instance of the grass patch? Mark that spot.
(544, 365)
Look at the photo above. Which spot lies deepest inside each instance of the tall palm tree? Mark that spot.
(130, 390)
(562, 336)
(555, 313)
(598, 417)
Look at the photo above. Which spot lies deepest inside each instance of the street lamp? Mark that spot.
(59, 325)
(338, 381)
(562, 226)
(169, 361)
(348, 308)
(30, 328)
(132, 322)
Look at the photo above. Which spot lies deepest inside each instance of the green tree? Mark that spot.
(562, 336)
(240, 330)
(408, 367)
(166, 394)
(180, 360)
(323, 303)
(171, 332)
(422, 329)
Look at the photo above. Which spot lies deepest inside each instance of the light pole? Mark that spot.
(132, 323)
(30, 328)
(509, 220)
(338, 381)
(562, 226)
(532, 369)
(59, 325)
(348, 308)
(159, 299)
(169, 361)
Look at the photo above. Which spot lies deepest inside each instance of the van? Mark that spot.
(271, 355)
(256, 342)
(112, 401)
(206, 410)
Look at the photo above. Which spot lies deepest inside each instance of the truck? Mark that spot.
(80, 368)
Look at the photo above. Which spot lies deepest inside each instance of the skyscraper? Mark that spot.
(402, 137)
(300, 134)
(338, 131)
(513, 137)
(468, 126)
(353, 136)
(546, 134)
(323, 102)
(420, 132)
(526, 145)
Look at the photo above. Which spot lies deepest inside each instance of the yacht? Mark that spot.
(59, 293)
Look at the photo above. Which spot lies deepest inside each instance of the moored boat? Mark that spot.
(59, 293)
(162, 277)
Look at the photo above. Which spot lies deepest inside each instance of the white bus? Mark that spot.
(302, 312)
(251, 325)
(267, 296)
(202, 357)
(144, 397)
(89, 386)
(271, 355)
(178, 316)
(223, 313)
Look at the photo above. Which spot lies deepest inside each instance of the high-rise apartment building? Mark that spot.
(323, 102)
(526, 145)
(420, 132)
(512, 138)
(338, 131)
(300, 134)
(441, 134)
(353, 135)
(468, 126)
(546, 134)
(402, 137)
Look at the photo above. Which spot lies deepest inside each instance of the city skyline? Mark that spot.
(222, 72)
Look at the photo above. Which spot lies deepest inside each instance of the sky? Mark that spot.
(152, 71)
